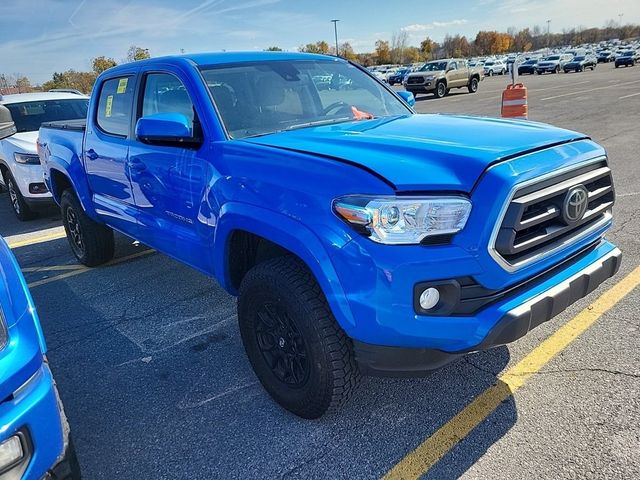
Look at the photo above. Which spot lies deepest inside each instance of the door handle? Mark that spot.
(136, 166)
(91, 154)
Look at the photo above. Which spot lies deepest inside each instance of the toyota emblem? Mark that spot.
(575, 204)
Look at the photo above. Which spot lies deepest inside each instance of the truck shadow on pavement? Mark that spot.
(9, 225)
(148, 359)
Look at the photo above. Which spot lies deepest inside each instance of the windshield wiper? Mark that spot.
(318, 122)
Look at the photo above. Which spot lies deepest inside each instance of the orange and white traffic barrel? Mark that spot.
(514, 101)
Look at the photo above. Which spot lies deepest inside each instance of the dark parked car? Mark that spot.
(580, 64)
(626, 58)
(605, 56)
(398, 76)
(528, 67)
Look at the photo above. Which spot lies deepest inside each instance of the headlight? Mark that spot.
(3, 331)
(404, 221)
(27, 158)
(429, 77)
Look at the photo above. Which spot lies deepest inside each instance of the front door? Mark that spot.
(169, 181)
(107, 142)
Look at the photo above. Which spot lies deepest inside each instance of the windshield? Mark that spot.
(578, 59)
(627, 54)
(554, 57)
(530, 62)
(28, 116)
(489, 63)
(258, 98)
(434, 67)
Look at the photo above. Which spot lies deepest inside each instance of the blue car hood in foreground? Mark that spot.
(419, 152)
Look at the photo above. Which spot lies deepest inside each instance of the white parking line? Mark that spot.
(589, 90)
(627, 96)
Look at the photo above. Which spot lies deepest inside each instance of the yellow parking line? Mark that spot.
(47, 237)
(82, 269)
(429, 452)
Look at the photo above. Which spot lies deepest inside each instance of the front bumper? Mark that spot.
(26, 175)
(513, 324)
(36, 412)
(427, 87)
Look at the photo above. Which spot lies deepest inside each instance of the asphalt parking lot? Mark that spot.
(148, 359)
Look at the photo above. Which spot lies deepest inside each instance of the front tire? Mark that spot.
(441, 90)
(473, 85)
(18, 204)
(299, 353)
(91, 242)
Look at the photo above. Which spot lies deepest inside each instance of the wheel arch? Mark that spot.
(246, 234)
(59, 178)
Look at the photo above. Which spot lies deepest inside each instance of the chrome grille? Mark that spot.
(536, 219)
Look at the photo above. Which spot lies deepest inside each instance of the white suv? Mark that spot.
(494, 67)
(20, 169)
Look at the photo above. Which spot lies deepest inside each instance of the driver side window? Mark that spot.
(165, 93)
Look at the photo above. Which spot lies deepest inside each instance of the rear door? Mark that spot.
(106, 148)
(453, 77)
(169, 181)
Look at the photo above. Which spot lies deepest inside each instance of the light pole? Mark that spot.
(335, 30)
(620, 15)
(548, 32)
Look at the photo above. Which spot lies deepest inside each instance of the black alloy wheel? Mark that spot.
(282, 346)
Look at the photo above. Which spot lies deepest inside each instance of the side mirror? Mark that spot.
(166, 129)
(7, 127)
(407, 97)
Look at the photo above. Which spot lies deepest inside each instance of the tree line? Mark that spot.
(73, 79)
(397, 51)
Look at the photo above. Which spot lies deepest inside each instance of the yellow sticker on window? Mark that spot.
(107, 108)
(122, 85)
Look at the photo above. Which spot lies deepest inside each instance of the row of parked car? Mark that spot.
(438, 81)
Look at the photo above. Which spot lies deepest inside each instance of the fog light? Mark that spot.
(37, 188)
(10, 452)
(429, 298)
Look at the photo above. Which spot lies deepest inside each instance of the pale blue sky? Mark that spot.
(38, 37)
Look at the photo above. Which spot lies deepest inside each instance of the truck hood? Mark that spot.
(23, 142)
(422, 151)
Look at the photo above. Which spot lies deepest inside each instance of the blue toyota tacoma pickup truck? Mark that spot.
(359, 236)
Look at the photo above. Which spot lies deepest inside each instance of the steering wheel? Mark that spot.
(335, 106)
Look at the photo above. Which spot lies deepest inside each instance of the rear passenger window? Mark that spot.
(114, 106)
(165, 93)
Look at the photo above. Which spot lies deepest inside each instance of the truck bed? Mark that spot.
(76, 125)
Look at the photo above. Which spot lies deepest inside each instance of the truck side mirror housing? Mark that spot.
(166, 129)
(407, 97)
(7, 126)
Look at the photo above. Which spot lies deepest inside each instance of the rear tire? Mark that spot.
(18, 204)
(91, 242)
(299, 353)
